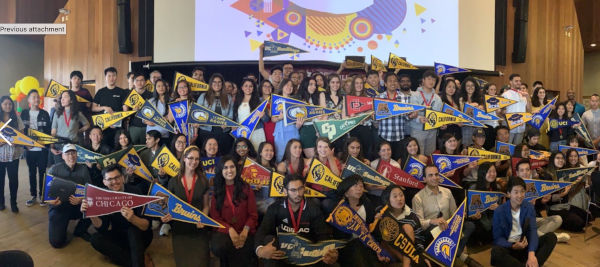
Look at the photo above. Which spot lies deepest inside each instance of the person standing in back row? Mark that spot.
(109, 99)
(523, 105)
(425, 96)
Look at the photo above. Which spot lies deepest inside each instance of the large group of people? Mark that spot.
(522, 233)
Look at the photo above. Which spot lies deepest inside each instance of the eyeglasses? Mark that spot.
(241, 147)
(180, 142)
(110, 180)
(191, 158)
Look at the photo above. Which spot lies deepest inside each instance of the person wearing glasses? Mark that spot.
(122, 236)
(61, 213)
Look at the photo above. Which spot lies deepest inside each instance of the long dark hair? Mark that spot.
(567, 163)
(119, 132)
(535, 100)
(287, 155)
(346, 154)
(345, 185)
(476, 97)
(175, 94)
(552, 168)
(73, 106)
(219, 182)
(210, 95)
(251, 151)
(12, 114)
(443, 141)
(481, 181)
(444, 96)
(404, 151)
(259, 158)
(260, 86)
(173, 141)
(304, 95)
(254, 98)
(156, 97)
(554, 112)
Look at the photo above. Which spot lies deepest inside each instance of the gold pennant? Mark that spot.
(134, 100)
(106, 120)
(195, 85)
(497, 103)
(436, 119)
(166, 161)
(17, 138)
(148, 86)
(277, 187)
(396, 62)
(54, 89)
(486, 156)
(377, 64)
(132, 159)
(518, 118)
(42, 138)
(319, 174)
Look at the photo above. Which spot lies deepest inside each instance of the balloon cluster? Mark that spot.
(23, 87)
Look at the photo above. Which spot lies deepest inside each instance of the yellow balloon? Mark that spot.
(41, 91)
(28, 83)
(18, 87)
(13, 97)
(12, 91)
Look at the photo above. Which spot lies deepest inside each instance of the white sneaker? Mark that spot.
(562, 237)
(164, 229)
(155, 224)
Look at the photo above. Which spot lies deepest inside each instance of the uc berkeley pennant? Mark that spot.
(106, 120)
(276, 189)
(166, 161)
(435, 119)
(195, 85)
(319, 174)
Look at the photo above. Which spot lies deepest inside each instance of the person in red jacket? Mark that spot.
(233, 205)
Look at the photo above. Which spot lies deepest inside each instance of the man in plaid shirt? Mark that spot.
(394, 129)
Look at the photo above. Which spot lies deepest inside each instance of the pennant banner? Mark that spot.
(398, 176)
(106, 120)
(203, 116)
(301, 251)
(370, 176)
(394, 235)
(517, 119)
(148, 86)
(580, 150)
(396, 62)
(277, 102)
(436, 119)
(493, 103)
(443, 69)
(478, 114)
(15, 137)
(249, 124)
(134, 100)
(334, 129)
(583, 132)
(179, 110)
(113, 158)
(272, 49)
(180, 210)
(319, 174)
(447, 163)
(195, 85)
(276, 188)
(554, 124)
(480, 201)
(454, 112)
(208, 165)
(486, 156)
(417, 169)
(79, 189)
(103, 201)
(358, 104)
(385, 108)
(348, 221)
(166, 161)
(355, 62)
(42, 138)
(84, 155)
(539, 154)
(295, 111)
(535, 189)
(540, 117)
(54, 89)
(505, 148)
(443, 248)
(255, 174)
(571, 174)
(150, 113)
(377, 64)
(132, 159)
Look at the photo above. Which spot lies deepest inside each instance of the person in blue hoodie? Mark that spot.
(516, 242)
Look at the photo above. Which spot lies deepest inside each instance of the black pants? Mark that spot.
(12, 169)
(222, 247)
(355, 253)
(123, 248)
(573, 219)
(36, 162)
(509, 257)
(58, 221)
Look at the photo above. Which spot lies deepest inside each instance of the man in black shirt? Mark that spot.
(293, 214)
(59, 213)
(124, 236)
(109, 99)
(137, 128)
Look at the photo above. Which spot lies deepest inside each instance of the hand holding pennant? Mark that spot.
(132, 160)
(580, 150)
(443, 69)
(479, 201)
(370, 176)
(195, 85)
(48, 187)
(540, 117)
(249, 124)
(272, 49)
(15, 137)
(454, 112)
(358, 104)
(44, 139)
(106, 120)
(255, 174)
(84, 155)
(301, 251)
(99, 202)
(535, 189)
(293, 112)
(113, 158)
(278, 101)
(149, 113)
(54, 89)
(334, 129)
(377, 64)
(486, 156)
(396, 62)
(134, 100)
(436, 119)
(180, 111)
(319, 174)
(572, 174)
(398, 176)
(478, 114)
(166, 161)
(180, 210)
(518, 118)
(393, 234)
(443, 248)
(385, 108)
(448, 163)
(493, 103)
(204, 116)
(416, 168)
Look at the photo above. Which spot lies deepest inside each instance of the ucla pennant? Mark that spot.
(385, 108)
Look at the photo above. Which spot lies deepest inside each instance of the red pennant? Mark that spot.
(255, 174)
(534, 163)
(102, 202)
(358, 104)
(398, 176)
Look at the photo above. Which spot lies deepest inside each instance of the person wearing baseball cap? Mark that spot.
(470, 171)
(61, 213)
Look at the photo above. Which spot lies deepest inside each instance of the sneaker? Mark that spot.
(42, 203)
(14, 209)
(562, 237)
(155, 224)
(30, 202)
(164, 230)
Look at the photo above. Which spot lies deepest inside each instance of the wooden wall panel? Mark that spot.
(554, 56)
(91, 43)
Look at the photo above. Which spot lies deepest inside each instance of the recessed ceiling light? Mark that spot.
(593, 44)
